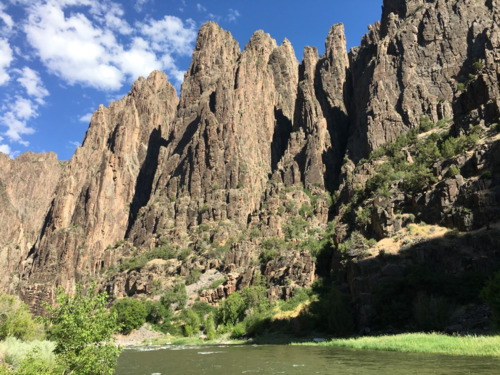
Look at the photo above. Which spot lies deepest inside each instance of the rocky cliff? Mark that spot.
(27, 187)
(236, 176)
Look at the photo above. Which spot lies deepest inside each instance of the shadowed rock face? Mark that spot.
(248, 124)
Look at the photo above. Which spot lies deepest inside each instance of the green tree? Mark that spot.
(210, 327)
(131, 314)
(231, 310)
(191, 323)
(82, 329)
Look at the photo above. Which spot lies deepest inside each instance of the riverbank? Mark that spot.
(476, 346)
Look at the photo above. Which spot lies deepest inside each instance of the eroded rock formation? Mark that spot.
(244, 161)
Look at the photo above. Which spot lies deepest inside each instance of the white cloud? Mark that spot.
(170, 34)
(75, 143)
(86, 117)
(7, 21)
(214, 17)
(5, 149)
(15, 117)
(200, 8)
(139, 4)
(5, 60)
(138, 59)
(83, 48)
(33, 85)
(233, 15)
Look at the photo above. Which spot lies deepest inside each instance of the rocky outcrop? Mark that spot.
(27, 185)
(101, 188)
(248, 155)
(412, 64)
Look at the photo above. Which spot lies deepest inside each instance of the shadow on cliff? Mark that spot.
(144, 184)
(429, 285)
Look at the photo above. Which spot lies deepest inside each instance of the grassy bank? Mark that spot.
(486, 346)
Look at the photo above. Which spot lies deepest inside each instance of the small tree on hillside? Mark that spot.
(82, 329)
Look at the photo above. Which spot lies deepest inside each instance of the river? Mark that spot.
(268, 359)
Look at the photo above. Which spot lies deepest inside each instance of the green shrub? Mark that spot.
(300, 296)
(453, 171)
(363, 217)
(239, 330)
(36, 363)
(164, 251)
(477, 67)
(295, 227)
(82, 329)
(491, 295)
(16, 319)
(418, 179)
(131, 314)
(231, 310)
(16, 351)
(306, 210)
(431, 313)
(183, 255)
(191, 323)
(332, 311)
(209, 325)
(215, 284)
(157, 312)
(255, 299)
(175, 295)
(203, 309)
(425, 124)
(194, 276)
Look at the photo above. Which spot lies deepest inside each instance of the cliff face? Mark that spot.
(96, 194)
(27, 187)
(241, 166)
(413, 64)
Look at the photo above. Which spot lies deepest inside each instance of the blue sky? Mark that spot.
(60, 59)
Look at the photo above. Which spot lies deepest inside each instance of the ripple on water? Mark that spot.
(206, 353)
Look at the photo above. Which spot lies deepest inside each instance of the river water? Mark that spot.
(268, 359)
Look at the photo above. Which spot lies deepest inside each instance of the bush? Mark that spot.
(16, 319)
(131, 314)
(157, 312)
(491, 295)
(425, 124)
(332, 311)
(35, 363)
(300, 296)
(453, 171)
(164, 251)
(82, 329)
(239, 330)
(191, 323)
(210, 327)
(231, 310)
(215, 284)
(432, 313)
(295, 227)
(16, 351)
(255, 299)
(175, 295)
(194, 276)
